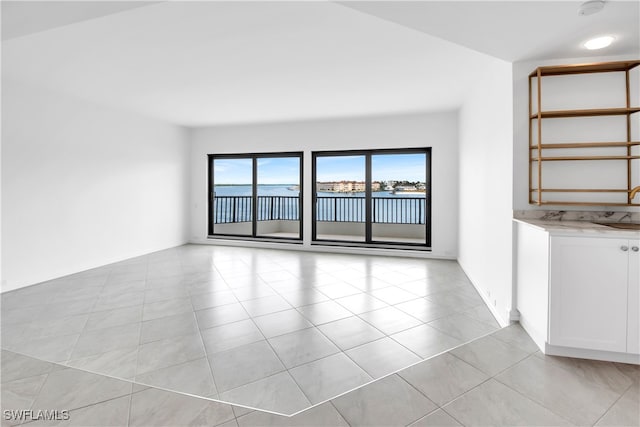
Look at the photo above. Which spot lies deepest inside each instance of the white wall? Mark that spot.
(437, 130)
(485, 192)
(84, 185)
(587, 91)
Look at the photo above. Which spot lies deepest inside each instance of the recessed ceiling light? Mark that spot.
(599, 42)
(590, 7)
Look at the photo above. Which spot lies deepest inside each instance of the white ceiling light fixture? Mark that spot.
(590, 7)
(599, 42)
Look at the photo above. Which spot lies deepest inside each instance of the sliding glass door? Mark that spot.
(398, 197)
(372, 197)
(232, 204)
(278, 191)
(256, 195)
(340, 209)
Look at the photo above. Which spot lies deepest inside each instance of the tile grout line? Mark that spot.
(129, 409)
(379, 339)
(268, 376)
(346, 354)
(133, 382)
(204, 348)
(338, 412)
(459, 396)
(561, 366)
(355, 346)
(420, 356)
(499, 372)
(615, 402)
(438, 408)
(511, 343)
(527, 397)
(277, 293)
(452, 416)
(130, 393)
(35, 398)
(287, 370)
(96, 403)
(385, 376)
(135, 370)
(396, 332)
(421, 393)
(95, 302)
(206, 355)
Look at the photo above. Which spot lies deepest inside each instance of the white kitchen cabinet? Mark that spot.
(633, 304)
(578, 291)
(589, 283)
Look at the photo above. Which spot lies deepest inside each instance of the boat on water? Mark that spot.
(407, 189)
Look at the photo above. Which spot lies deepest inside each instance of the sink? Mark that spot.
(621, 225)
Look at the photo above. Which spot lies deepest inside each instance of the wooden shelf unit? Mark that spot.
(586, 145)
(565, 158)
(536, 145)
(585, 113)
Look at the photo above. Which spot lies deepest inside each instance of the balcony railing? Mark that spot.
(340, 209)
(230, 209)
(384, 210)
(398, 210)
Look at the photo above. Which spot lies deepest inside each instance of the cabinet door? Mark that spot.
(633, 310)
(588, 293)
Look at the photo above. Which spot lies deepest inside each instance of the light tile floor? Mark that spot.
(196, 336)
(233, 323)
(497, 380)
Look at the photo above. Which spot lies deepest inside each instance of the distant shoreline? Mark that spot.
(296, 188)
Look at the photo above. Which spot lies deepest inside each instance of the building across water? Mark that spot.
(345, 186)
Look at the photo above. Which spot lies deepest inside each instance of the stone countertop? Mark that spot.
(586, 228)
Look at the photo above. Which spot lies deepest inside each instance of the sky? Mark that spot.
(384, 167)
(280, 170)
(285, 170)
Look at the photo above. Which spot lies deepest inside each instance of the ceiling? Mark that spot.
(211, 63)
(22, 18)
(516, 30)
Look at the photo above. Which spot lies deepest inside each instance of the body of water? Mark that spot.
(280, 202)
(284, 190)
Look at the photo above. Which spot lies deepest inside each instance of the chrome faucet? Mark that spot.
(633, 193)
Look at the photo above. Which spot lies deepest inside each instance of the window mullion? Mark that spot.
(367, 198)
(254, 197)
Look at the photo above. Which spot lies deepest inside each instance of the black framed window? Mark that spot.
(256, 195)
(372, 197)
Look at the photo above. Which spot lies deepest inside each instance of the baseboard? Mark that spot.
(581, 353)
(89, 266)
(502, 321)
(539, 338)
(320, 248)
